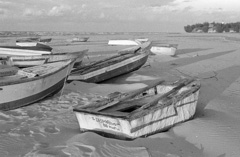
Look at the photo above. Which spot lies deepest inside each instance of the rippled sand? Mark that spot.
(49, 128)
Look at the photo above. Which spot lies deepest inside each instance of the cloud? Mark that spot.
(207, 5)
(59, 10)
(33, 12)
(2, 11)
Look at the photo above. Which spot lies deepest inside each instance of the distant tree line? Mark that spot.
(213, 27)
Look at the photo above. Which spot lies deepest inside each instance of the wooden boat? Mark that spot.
(28, 61)
(25, 51)
(143, 112)
(124, 62)
(32, 84)
(32, 41)
(142, 40)
(80, 39)
(45, 40)
(28, 39)
(124, 42)
(165, 49)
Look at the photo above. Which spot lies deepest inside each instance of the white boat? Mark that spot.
(143, 112)
(32, 41)
(80, 39)
(165, 49)
(24, 51)
(32, 84)
(26, 43)
(124, 42)
(142, 40)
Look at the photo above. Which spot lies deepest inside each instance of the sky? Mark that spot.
(113, 15)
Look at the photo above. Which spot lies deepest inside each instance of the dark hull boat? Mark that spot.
(125, 61)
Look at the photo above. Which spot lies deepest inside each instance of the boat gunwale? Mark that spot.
(46, 56)
(132, 116)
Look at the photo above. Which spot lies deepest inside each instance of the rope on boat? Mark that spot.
(68, 71)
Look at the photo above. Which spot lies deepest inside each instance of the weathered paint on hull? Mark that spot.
(122, 121)
(161, 120)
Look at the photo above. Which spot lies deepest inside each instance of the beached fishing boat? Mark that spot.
(25, 51)
(124, 42)
(45, 40)
(142, 40)
(28, 61)
(32, 84)
(32, 41)
(142, 112)
(80, 39)
(28, 39)
(165, 49)
(124, 62)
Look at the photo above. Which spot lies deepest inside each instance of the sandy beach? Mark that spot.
(49, 128)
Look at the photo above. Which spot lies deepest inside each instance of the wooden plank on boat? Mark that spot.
(98, 106)
(183, 83)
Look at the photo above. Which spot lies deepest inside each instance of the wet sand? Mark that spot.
(50, 128)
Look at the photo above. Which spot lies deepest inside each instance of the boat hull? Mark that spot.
(157, 119)
(21, 52)
(28, 61)
(83, 39)
(24, 92)
(123, 67)
(171, 51)
(123, 42)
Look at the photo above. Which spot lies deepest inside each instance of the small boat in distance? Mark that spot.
(28, 39)
(45, 40)
(32, 84)
(165, 49)
(142, 112)
(142, 40)
(125, 61)
(80, 39)
(28, 61)
(32, 41)
(124, 42)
